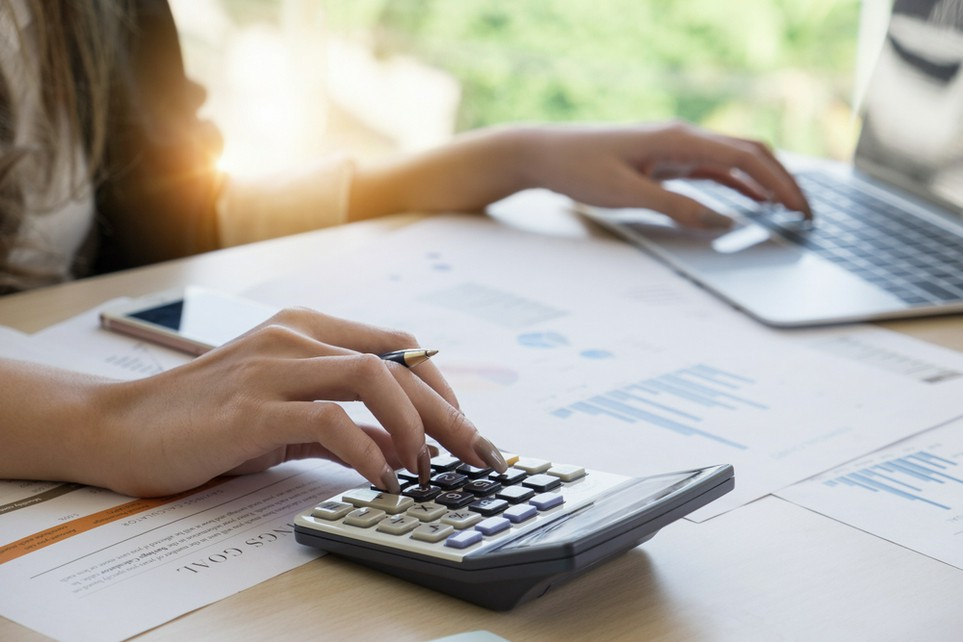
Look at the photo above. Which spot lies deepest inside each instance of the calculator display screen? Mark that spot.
(627, 499)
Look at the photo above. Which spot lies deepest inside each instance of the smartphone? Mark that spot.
(192, 319)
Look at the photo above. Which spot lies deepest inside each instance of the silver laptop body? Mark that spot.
(888, 238)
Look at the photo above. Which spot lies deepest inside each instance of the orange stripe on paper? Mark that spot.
(59, 533)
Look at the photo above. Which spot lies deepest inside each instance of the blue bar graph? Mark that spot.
(676, 401)
(909, 477)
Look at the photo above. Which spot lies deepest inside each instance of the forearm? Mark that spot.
(473, 171)
(49, 425)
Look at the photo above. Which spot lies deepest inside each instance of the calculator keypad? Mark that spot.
(464, 508)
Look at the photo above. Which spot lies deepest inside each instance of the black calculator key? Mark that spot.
(449, 480)
(509, 477)
(473, 472)
(489, 506)
(420, 493)
(455, 499)
(515, 494)
(482, 487)
(444, 463)
(542, 483)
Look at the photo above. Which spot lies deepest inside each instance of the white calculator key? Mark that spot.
(432, 532)
(331, 510)
(398, 524)
(533, 466)
(461, 518)
(391, 504)
(427, 511)
(364, 517)
(566, 472)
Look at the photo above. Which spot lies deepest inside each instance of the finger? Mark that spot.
(686, 211)
(329, 426)
(739, 183)
(287, 331)
(758, 162)
(450, 426)
(355, 377)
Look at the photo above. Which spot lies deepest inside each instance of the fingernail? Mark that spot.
(389, 481)
(424, 467)
(489, 454)
(712, 220)
(433, 450)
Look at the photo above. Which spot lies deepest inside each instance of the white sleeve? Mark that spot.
(312, 197)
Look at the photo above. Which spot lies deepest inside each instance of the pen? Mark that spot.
(409, 358)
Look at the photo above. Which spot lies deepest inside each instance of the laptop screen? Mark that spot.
(913, 120)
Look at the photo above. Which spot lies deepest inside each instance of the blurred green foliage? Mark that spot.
(779, 70)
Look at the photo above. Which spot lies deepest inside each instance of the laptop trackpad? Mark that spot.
(740, 239)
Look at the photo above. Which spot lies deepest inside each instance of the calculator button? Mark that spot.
(391, 504)
(449, 480)
(421, 494)
(566, 472)
(515, 494)
(542, 483)
(489, 506)
(509, 477)
(546, 501)
(461, 519)
(463, 539)
(364, 517)
(427, 511)
(492, 525)
(398, 524)
(510, 458)
(533, 466)
(401, 484)
(455, 499)
(432, 532)
(331, 510)
(473, 472)
(407, 475)
(482, 487)
(520, 513)
(443, 463)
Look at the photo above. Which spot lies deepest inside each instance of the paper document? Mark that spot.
(910, 494)
(589, 352)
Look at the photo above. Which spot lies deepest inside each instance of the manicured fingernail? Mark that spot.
(489, 454)
(424, 467)
(389, 481)
(711, 220)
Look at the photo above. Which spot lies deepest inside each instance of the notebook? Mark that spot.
(888, 236)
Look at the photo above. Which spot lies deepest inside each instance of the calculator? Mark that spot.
(501, 539)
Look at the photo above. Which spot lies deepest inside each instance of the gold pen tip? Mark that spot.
(430, 353)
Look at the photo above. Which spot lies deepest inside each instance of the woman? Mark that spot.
(105, 165)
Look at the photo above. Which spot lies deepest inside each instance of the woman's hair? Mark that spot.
(73, 57)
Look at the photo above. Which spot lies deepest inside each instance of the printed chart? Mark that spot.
(910, 494)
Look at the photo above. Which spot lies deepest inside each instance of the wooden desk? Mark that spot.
(768, 571)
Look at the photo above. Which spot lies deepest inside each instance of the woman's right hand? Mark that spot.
(268, 397)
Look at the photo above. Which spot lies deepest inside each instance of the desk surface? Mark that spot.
(770, 570)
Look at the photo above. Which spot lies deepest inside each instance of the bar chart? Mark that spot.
(678, 401)
(918, 477)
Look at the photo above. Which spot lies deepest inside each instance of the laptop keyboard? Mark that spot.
(915, 260)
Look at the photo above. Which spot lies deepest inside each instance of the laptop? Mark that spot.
(887, 241)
